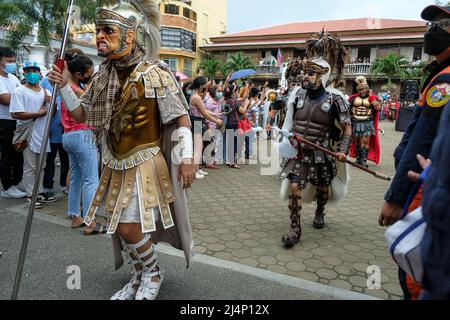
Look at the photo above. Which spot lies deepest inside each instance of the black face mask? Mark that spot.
(437, 40)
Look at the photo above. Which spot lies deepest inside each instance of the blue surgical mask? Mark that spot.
(189, 92)
(32, 78)
(219, 95)
(10, 67)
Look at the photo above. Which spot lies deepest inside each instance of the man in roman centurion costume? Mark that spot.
(364, 110)
(313, 110)
(141, 118)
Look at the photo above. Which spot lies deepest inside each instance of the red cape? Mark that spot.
(374, 145)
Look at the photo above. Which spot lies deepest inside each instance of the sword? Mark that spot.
(288, 134)
(39, 168)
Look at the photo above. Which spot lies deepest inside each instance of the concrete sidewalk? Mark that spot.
(54, 247)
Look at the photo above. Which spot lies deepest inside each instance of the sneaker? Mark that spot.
(204, 173)
(46, 197)
(21, 187)
(37, 205)
(198, 175)
(13, 193)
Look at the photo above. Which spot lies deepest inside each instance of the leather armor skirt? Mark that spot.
(363, 128)
(313, 166)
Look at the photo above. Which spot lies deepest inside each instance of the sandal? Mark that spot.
(77, 225)
(98, 229)
(234, 166)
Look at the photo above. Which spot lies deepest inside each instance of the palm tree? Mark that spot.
(390, 66)
(239, 61)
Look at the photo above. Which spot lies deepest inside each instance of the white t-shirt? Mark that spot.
(7, 85)
(24, 99)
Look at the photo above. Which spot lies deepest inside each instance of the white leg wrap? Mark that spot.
(148, 290)
(128, 292)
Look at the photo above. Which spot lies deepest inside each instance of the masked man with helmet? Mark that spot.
(364, 110)
(141, 117)
(312, 113)
(422, 130)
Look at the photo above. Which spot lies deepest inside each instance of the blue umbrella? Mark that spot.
(242, 74)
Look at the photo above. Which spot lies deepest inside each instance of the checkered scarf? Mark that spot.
(104, 90)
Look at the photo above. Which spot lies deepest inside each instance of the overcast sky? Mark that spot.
(253, 14)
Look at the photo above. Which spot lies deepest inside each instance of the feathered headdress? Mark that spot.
(329, 47)
(294, 71)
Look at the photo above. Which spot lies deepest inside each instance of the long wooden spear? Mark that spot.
(331, 153)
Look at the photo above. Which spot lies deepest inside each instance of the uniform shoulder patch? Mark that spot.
(438, 95)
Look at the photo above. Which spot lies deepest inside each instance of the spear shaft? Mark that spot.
(39, 168)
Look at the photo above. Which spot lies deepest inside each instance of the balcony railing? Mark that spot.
(364, 69)
(275, 70)
(356, 69)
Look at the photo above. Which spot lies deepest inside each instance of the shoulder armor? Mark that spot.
(340, 102)
(155, 80)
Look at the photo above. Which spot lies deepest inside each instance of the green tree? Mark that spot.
(19, 16)
(210, 66)
(389, 66)
(239, 61)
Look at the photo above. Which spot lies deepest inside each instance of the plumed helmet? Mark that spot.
(271, 95)
(361, 83)
(327, 47)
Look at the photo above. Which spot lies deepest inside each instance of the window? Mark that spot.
(179, 39)
(364, 54)
(383, 52)
(171, 9)
(188, 67)
(417, 53)
(170, 37)
(188, 13)
(172, 63)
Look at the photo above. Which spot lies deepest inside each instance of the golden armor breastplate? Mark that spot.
(136, 122)
(362, 109)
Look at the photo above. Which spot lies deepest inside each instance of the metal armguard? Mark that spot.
(69, 98)
(345, 144)
(186, 143)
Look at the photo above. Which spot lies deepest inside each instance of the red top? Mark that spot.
(68, 122)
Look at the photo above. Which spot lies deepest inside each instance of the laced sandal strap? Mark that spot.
(147, 253)
(150, 264)
(126, 293)
(136, 246)
(149, 289)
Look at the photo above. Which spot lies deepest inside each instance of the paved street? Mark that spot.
(238, 217)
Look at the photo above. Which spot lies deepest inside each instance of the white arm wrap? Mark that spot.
(69, 98)
(186, 143)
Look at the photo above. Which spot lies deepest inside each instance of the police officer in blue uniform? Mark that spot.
(422, 130)
(436, 211)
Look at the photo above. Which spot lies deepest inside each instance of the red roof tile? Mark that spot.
(331, 25)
